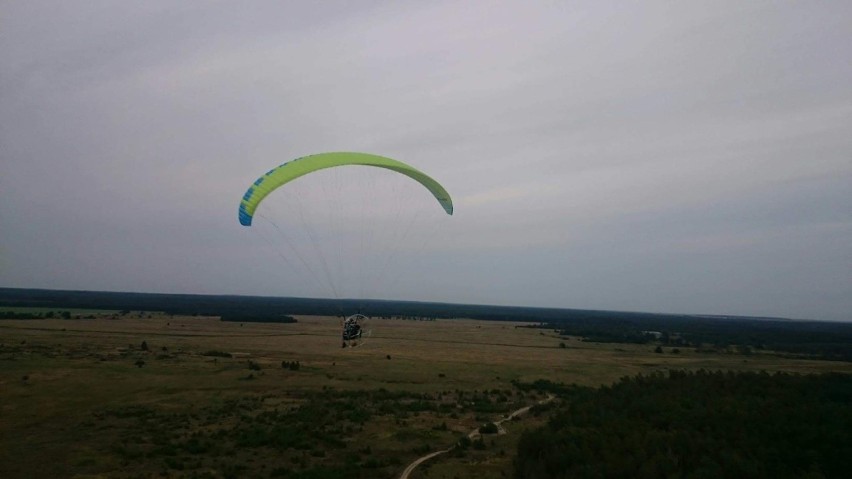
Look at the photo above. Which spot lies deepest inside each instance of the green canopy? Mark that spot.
(291, 170)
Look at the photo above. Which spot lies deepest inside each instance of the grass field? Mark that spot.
(76, 400)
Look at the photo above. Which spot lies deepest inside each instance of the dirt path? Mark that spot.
(408, 470)
(473, 435)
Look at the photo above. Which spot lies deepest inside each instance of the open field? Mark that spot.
(75, 399)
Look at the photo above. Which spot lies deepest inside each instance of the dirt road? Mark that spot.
(473, 435)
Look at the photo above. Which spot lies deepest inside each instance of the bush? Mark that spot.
(218, 354)
(489, 428)
(292, 366)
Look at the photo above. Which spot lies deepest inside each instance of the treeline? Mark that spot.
(697, 424)
(210, 305)
(257, 318)
(218, 305)
(44, 315)
(824, 340)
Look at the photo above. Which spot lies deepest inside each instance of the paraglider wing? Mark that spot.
(291, 170)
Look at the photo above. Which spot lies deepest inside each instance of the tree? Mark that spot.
(464, 443)
(488, 428)
(292, 366)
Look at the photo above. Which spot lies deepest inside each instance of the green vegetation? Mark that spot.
(488, 428)
(697, 424)
(291, 365)
(217, 354)
(825, 340)
(172, 395)
(159, 396)
(258, 318)
(33, 313)
(316, 433)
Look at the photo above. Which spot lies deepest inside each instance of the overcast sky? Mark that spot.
(684, 157)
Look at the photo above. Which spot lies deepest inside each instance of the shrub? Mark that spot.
(219, 354)
(488, 428)
(292, 366)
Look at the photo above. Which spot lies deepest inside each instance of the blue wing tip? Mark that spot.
(245, 218)
(448, 206)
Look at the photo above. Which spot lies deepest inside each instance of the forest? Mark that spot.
(217, 305)
(818, 339)
(697, 424)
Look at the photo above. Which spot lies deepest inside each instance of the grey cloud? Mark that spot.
(680, 157)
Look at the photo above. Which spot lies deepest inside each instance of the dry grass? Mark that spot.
(75, 369)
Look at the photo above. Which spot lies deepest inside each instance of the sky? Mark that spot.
(676, 157)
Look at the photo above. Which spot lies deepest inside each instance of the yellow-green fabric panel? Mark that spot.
(291, 170)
